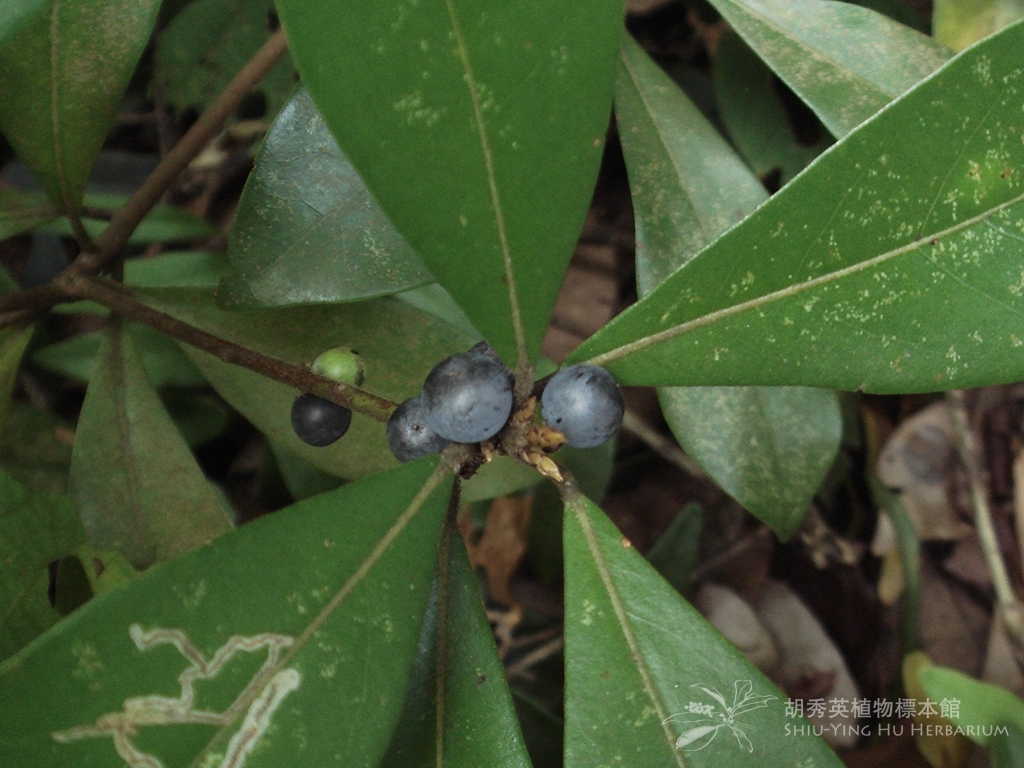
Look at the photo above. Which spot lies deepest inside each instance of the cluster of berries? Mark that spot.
(466, 398)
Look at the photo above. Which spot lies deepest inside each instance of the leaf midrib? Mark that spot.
(353, 581)
(795, 289)
(578, 506)
(492, 183)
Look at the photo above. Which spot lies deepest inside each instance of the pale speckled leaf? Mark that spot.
(892, 264)
(137, 486)
(844, 61)
(62, 77)
(314, 610)
(755, 116)
(307, 230)
(768, 447)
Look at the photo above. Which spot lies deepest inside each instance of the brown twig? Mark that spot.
(192, 143)
(121, 300)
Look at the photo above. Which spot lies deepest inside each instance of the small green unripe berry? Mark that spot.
(340, 364)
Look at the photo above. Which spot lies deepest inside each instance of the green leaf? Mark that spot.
(207, 43)
(844, 61)
(477, 128)
(62, 77)
(981, 706)
(637, 656)
(13, 342)
(307, 230)
(299, 630)
(687, 184)
(676, 552)
(1006, 750)
(35, 529)
(163, 223)
(15, 14)
(458, 709)
(197, 415)
(176, 269)
(754, 114)
(22, 212)
(134, 479)
(164, 362)
(768, 447)
(35, 449)
(883, 267)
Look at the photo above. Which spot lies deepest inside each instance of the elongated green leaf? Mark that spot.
(13, 342)
(287, 642)
(21, 212)
(307, 229)
(62, 77)
(164, 223)
(768, 447)
(688, 185)
(35, 529)
(207, 43)
(648, 681)
(458, 710)
(176, 269)
(134, 479)
(477, 128)
(892, 264)
(979, 707)
(35, 449)
(755, 116)
(162, 359)
(844, 61)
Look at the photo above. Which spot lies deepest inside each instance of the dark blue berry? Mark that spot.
(409, 435)
(317, 421)
(584, 403)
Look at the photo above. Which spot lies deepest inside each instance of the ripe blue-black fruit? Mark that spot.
(584, 403)
(317, 421)
(468, 397)
(409, 435)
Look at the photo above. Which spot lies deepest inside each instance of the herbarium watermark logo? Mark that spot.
(707, 720)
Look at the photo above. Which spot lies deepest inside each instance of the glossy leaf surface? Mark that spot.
(207, 43)
(768, 447)
(458, 710)
(62, 76)
(295, 634)
(35, 529)
(640, 662)
(844, 61)
(307, 229)
(902, 275)
(133, 477)
(477, 128)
